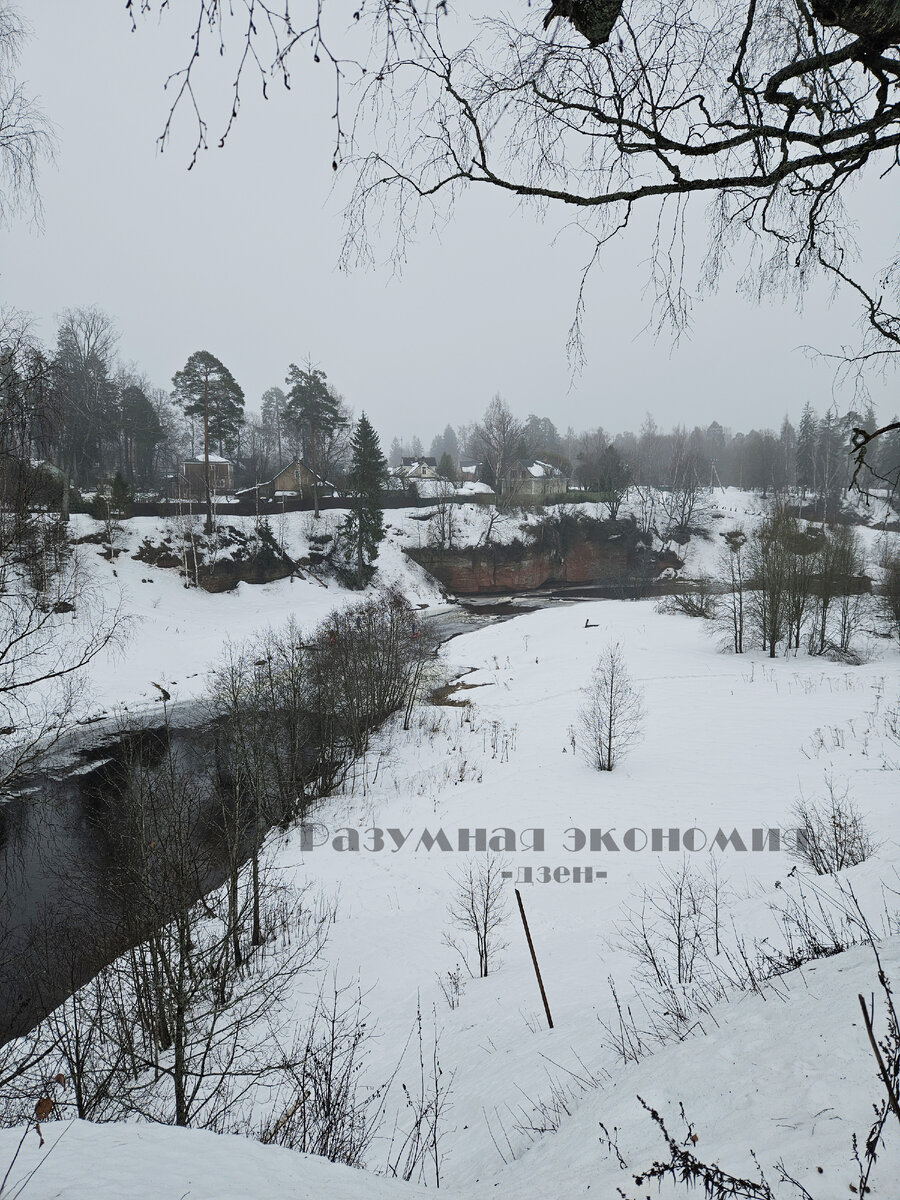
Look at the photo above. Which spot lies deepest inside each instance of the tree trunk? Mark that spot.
(877, 21)
(233, 900)
(179, 1066)
(209, 516)
(315, 471)
(256, 934)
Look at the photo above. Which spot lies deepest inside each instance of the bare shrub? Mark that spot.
(683, 1165)
(682, 505)
(891, 724)
(837, 607)
(479, 908)
(54, 621)
(771, 579)
(546, 1112)
(698, 600)
(77, 1032)
(830, 832)
(192, 1018)
(415, 1153)
(291, 709)
(688, 958)
(610, 721)
(443, 525)
(812, 925)
(367, 662)
(321, 1106)
(452, 985)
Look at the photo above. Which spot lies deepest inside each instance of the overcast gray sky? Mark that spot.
(239, 257)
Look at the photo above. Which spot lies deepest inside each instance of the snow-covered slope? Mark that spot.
(788, 1080)
(175, 633)
(81, 1161)
(729, 743)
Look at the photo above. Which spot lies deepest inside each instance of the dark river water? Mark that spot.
(60, 919)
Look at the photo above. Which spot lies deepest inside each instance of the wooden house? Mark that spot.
(533, 478)
(295, 480)
(412, 469)
(190, 478)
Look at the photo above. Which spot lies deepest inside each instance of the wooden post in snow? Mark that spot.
(537, 969)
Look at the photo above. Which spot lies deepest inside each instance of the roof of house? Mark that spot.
(41, 464)
(269, 482)
(541, 470)
(295, 462)
(418, 461)
(213, 458)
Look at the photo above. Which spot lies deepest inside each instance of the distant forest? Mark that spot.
(77, 408)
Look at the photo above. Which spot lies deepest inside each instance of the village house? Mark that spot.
(190, 478)
(533, 478)
(296, 480)
(418, 468)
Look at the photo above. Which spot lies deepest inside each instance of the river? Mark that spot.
(60, 921)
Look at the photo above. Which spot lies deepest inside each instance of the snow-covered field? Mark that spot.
(730, 743)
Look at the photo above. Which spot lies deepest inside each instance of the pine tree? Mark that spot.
(315, 411)
(362, 530)
(206, 388)
(451, 443)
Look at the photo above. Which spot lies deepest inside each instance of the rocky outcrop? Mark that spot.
(220, 563)
(589, 552)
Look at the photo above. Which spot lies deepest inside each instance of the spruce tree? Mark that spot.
(362, 530)
(142, 432)
(121, 497)
(613, 480)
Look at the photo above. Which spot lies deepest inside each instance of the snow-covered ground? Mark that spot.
(787, 1079)
(730, 743)
(175, 633)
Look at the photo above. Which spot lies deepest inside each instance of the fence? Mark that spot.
(251, 507)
